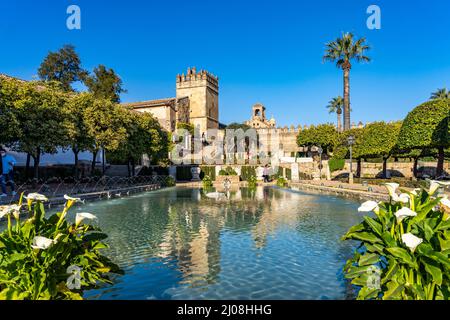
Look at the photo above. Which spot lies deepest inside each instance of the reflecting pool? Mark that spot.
(262, 244)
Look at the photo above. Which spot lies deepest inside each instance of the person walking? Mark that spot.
(8, 162)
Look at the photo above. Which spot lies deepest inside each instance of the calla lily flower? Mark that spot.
(416, 191)
(404, 213)
(435, 185)
(14, 209)
(445, 206)
(36, 197)
(368, 206)
(69, 198)
(392, 188)
(403, 198)
(42, 243)
(84, 215)
(411, 241)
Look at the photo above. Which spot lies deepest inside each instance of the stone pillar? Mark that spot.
(173, 172)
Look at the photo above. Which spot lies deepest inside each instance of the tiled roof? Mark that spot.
(153, 103)
(150, 103)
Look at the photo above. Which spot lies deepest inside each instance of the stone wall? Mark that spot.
(397, 169)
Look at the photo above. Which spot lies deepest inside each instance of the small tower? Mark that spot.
(259, 112)
(202, 89)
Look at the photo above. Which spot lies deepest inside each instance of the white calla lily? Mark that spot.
(392, 188)
(14, 209)
(84, 215)
(368, 206)
(411, 241)
(404, 198)
(435, 185)
(42, 243)
(404, 213)
(69, 198)
(36, 197)
(416, 191)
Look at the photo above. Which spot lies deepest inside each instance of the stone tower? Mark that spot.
(202, 89)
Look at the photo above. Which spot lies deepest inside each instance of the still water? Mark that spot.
(264, 244)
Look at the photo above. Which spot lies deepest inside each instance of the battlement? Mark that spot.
(193, 76)
(295, 130)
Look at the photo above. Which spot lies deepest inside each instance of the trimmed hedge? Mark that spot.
(209, 171)
(247, 172)
(184, 173)
(336, 164)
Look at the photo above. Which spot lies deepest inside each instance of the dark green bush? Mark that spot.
(247, 172)
(336, 164)
(229, 171)
(209, 171)
(184, 173)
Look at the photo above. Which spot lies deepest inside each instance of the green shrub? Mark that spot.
(207, 182)
(229, 171)
(208, 171)
(170, 181)
(281, 182)
(247, 172)
(404, 250)
(252, 182)
(336, 164)
(50, 258)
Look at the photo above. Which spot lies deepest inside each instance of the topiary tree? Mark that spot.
(427, 127)
(39, 111)
(378, 140)
(9, 126)
(323, 135)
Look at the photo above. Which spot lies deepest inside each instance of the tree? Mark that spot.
(379, 139)
(342, 51)
(142, 138)
(427, 127)
(335, 106)
(105, 84)
(40, 113)
(78, 136)
(104, 123)
(440, 94)
(9, 125)
(63, 66)
(323, 135)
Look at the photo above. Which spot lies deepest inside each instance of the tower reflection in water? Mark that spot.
(181, 244)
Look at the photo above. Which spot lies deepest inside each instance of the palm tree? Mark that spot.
(440, 94)
(335, 106)
(342, 51)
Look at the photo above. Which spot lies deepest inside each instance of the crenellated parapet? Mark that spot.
(192, 76)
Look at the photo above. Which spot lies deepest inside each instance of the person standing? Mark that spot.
(8, 163)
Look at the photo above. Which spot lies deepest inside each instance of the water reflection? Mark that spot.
(252, 244)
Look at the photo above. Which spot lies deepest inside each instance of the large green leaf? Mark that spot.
(403, 255)
(394, 291)
(365, 236)
(368, 259)
(434, 270)
(387, 238)
(374, 225)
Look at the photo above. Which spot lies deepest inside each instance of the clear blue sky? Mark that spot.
(263, 51)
